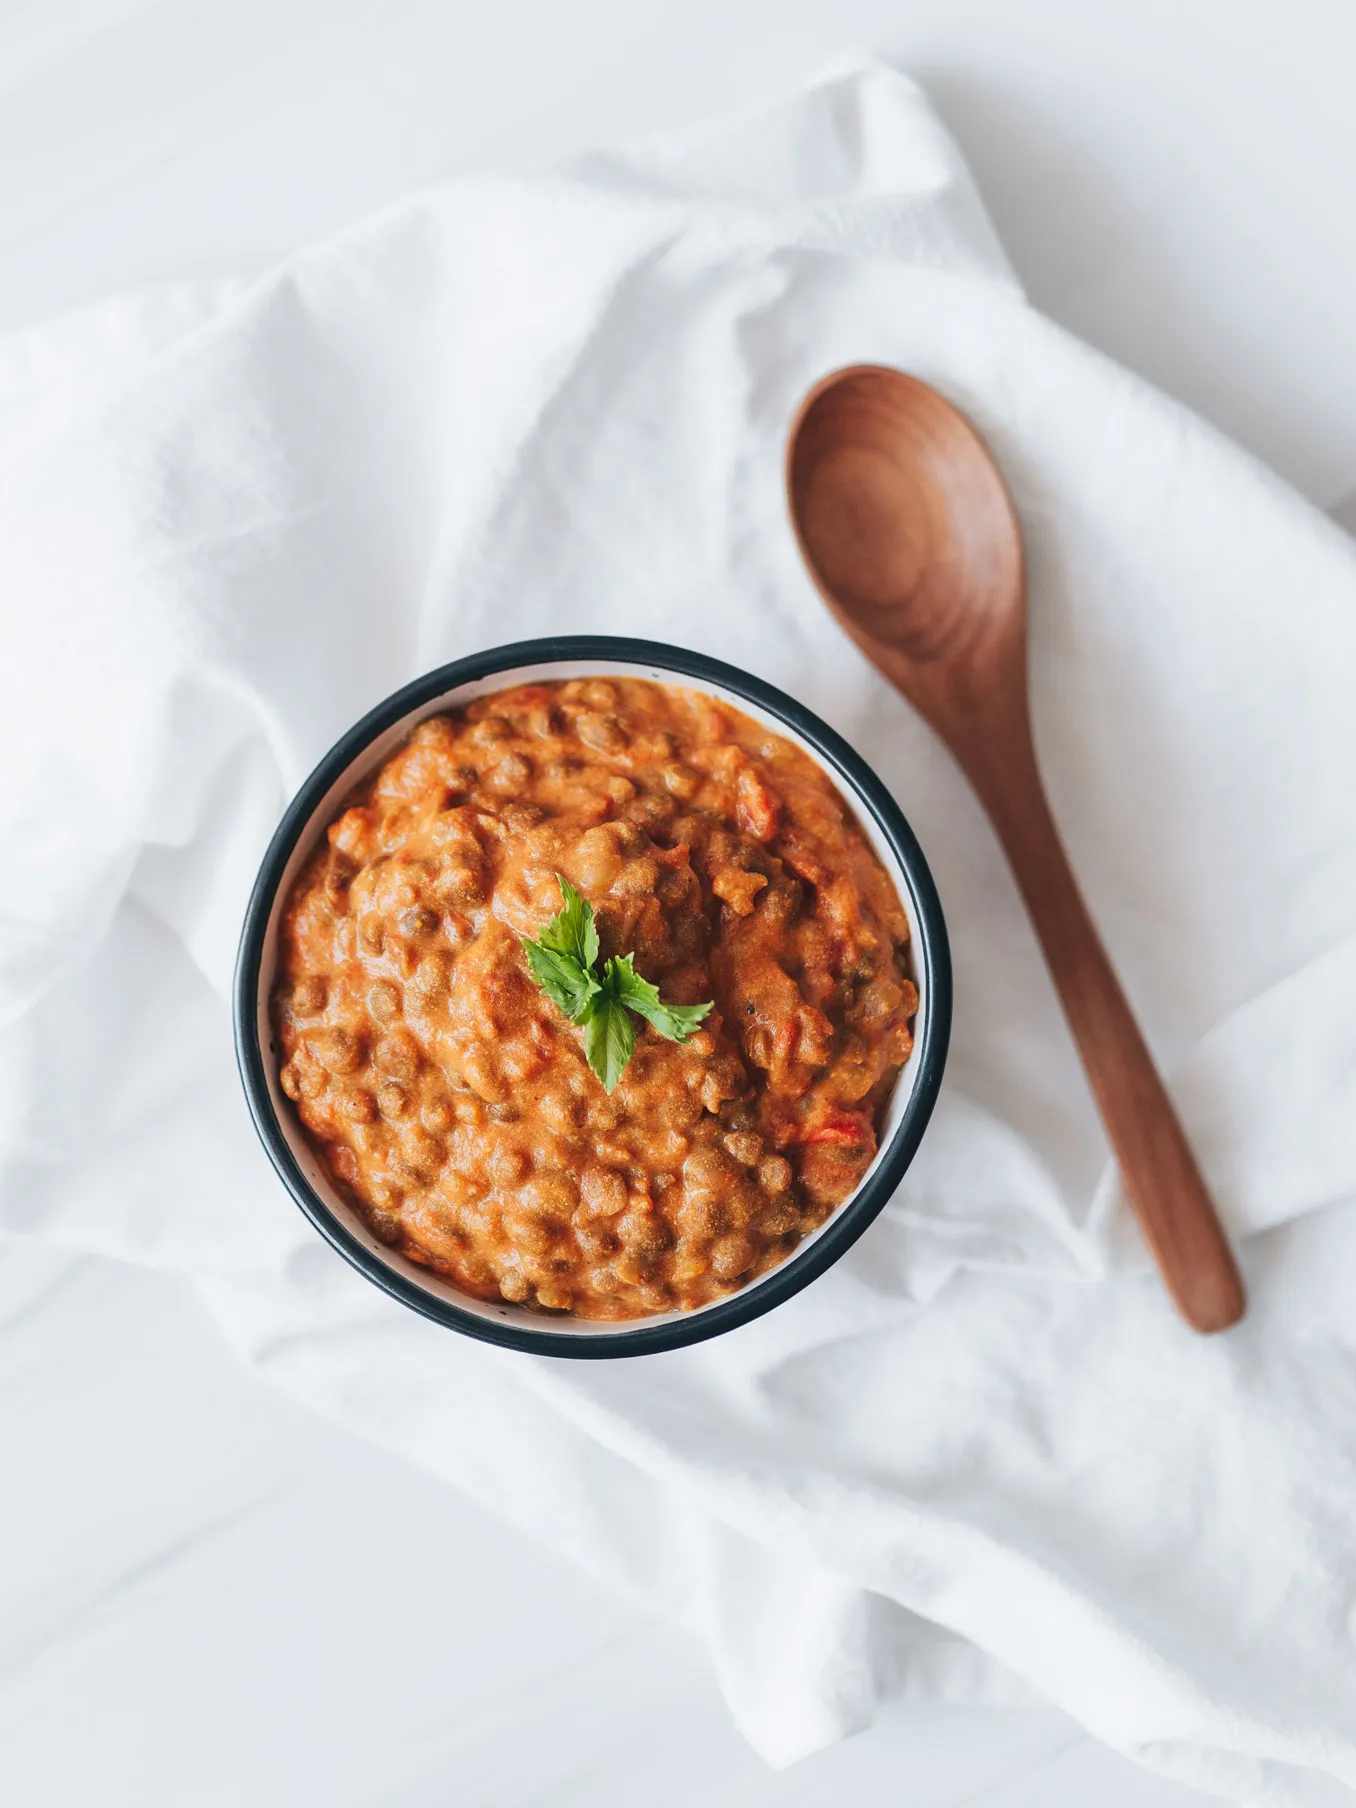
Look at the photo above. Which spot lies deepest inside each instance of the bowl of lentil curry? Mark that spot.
(593, 996)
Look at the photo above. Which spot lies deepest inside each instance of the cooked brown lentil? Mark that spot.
(450, 1100)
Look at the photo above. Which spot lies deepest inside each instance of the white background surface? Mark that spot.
(205, 1596)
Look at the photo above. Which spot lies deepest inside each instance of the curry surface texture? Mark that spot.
(450, 1100)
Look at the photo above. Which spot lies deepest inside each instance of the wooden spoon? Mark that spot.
(911, 536)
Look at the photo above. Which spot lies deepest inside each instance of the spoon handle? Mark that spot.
(1161, 1177)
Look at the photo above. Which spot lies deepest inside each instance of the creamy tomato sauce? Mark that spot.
(450, 1100)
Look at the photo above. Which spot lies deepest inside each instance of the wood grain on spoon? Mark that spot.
(911, 537)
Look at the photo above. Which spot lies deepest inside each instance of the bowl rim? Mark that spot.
(931, 950)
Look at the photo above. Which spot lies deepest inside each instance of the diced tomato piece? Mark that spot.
(799, 856)
(350, 833)
(843, 1129)
(755, 806)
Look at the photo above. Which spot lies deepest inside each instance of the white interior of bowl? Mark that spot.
(366, 763)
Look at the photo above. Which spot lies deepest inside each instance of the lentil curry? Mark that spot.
(450, 1100)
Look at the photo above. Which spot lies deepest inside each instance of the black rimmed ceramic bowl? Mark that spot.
(354, 758)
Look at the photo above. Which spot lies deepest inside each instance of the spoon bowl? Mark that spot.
(899, 508)
(908, 530)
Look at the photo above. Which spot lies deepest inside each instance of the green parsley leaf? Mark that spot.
(563, 961)
(609, 1038)
(572, 931)
(674, 1021)
(568, 985)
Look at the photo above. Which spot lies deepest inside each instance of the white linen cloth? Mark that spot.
(981, 1457)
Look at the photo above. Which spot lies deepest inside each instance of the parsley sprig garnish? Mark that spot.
(564, 962)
